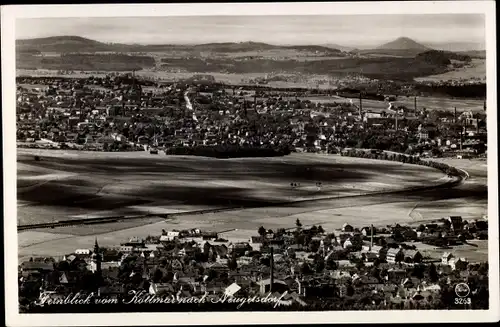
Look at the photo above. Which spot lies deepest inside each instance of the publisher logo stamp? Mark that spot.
(462, 290)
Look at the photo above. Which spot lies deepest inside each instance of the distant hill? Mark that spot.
(402, 59)
(232, 46)
(62, 44)
(339, 47)
(66, 44)
(401, 47)
(314, 48)
(403, 43)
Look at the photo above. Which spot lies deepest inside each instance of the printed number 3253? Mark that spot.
(460, 300)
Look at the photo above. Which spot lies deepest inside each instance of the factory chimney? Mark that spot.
(415, 106)
(371, 237)
(455, 121)
(271, 281)
(360, 104)
(462, 130)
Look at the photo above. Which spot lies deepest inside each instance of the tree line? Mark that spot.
(445, 168)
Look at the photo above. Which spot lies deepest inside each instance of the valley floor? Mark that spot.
(468, 200)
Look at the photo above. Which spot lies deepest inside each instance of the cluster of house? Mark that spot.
(119, 113)
(310, 265)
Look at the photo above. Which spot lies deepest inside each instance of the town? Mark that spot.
(123, 112)
(306, 268)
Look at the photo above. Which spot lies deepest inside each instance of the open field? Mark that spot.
(476, 69)
(189, 184)
(75, 184)
(172, 76)
(430, 103)
(476, 251)
(331, 214)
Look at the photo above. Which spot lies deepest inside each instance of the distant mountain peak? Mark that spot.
(403, 43)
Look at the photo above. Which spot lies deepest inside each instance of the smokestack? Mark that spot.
(360, 104)
(484, 105)
(371, 237)
(477, 125)
(271, 282)
(396, 121)
(461, 135)
(255, 101)
(415, 105)
(455, 122)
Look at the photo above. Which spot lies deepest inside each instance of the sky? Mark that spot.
(346, 30)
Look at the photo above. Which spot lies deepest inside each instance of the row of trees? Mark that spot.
(445, 168)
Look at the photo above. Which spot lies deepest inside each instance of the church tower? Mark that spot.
(96, 259)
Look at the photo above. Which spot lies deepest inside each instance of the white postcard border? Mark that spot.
(11, 13)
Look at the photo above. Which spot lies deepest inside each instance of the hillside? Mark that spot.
(409, 53)
(407, 60)
(442, 58)
(86, 62)
(380, 68)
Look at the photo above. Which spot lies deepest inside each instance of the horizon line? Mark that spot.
(425, 43)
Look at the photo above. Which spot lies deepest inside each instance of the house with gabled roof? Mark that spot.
(347, 228)
(446, 258)
(458, 263)
(395, 255)
(413, 256)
